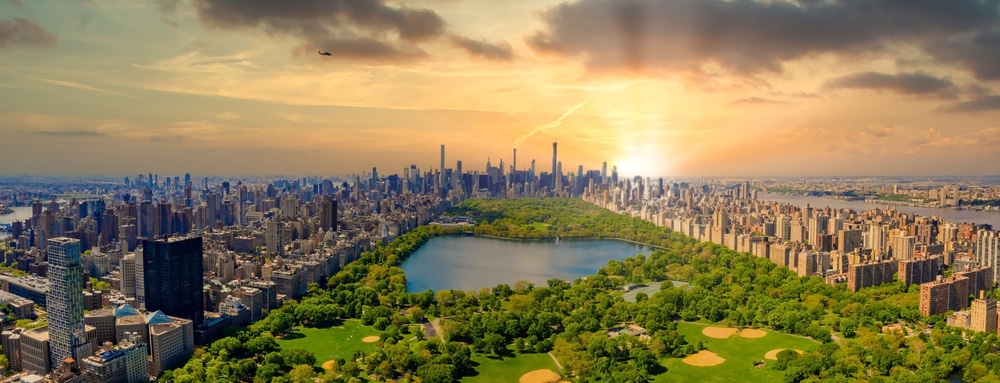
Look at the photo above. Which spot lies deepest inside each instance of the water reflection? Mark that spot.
(471, 263)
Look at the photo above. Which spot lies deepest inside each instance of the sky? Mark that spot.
(673, 88)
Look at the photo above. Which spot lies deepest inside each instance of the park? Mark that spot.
(730, 354)
(334, 342)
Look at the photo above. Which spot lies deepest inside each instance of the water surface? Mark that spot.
(471, 263)
(948, 214)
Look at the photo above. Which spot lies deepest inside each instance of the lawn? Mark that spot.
(334, 342)
(509, 369)
(650, 289)
(739, 353)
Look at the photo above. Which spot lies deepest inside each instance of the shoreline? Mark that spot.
(573, 238)
(876, 201)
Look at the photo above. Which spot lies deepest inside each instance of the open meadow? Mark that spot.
(737, 351)
(512, 369)
(333, 342)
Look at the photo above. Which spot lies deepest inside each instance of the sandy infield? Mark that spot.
(370, 339)
(718, 332)
(773, 354)
(328, 365)
(540, 376)
(704, 358)
(752, 333)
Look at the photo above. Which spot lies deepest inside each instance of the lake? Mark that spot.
(950, 215)
(471, 263)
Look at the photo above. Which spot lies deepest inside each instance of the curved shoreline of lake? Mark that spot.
(641, 244)
(471, 263)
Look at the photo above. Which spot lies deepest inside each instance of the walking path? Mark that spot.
(437, 328)
(555, 360)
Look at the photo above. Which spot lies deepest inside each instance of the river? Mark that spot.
(471, 263)
(948, 214)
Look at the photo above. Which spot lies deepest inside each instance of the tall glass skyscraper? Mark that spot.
(172, 271)
(67, 337)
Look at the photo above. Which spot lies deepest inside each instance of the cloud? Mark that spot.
(745, 38)
(978, 53)
(370, 29)
(225, 115)
(76, 85)
(757, 101)
(987, 140)
(17, 3)
(553, 124)
(22, 32)
(168, 8)
(981, 104)
(912, 84)
(879, 131)
(360, 49)
(499, 51)
(69, 133)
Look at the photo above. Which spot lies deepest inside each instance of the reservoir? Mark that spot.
(948, 214)
(471, 263)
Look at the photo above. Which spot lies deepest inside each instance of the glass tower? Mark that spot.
(65, 301)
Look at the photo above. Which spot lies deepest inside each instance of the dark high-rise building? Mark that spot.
(328, 214)
(172, 271)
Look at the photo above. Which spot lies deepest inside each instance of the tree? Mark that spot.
(848, 327)
(785, 357)
(302, 373)
(267, 371)
(417, 314)
(298, 356)
(261, 345)
(496, 344)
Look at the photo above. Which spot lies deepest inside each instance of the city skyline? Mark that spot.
(660, 88)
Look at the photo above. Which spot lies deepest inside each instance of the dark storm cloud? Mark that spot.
(746, 37)
(981, 104)
(499, 51)
(979, 53)
(22, 32)
(69, 133)
(913, 84)
(369, 29)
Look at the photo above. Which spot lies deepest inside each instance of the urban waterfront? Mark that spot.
(20, 214)
(471, 263)
(948, 214)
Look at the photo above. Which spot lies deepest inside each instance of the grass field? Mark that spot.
(650, 289)
(510, 369)
(740, 353)
(334, 342)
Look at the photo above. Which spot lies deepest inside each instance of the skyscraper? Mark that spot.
(67, 337)
(173, 277)
(987, 250)
(554, 170)
(328, 214)
(903, 247)
(274, 237)
(515, 167)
